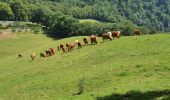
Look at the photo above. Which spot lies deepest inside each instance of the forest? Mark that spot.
(61, 18)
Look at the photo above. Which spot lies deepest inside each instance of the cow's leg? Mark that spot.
(103, 39)
(96, 41)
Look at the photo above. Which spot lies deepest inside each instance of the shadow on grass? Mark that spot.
(136, 95)
(53, 36)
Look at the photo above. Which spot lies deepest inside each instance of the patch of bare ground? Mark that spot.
(7, 35)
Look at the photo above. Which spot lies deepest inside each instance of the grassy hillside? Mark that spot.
(88, 20)
(134, 67)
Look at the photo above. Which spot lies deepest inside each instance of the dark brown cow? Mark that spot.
(48, 53)
(78, 44)
(42, 55)
(93, 39)
(19, 55)
(70, 46)
(33, 56)
(85, 41)
(63, 48)
(136, 32)
(116, 34)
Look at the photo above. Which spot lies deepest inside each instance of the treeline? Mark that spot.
(61, 17)
(149, 13)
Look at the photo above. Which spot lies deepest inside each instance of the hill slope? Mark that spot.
(105, 71)
(152, 13)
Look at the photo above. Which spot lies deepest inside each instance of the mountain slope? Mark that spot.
(127, 64)
(148, 13)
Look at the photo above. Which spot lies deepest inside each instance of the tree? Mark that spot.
(20, 11)
(41, 15)
(5, 11)
(63, 26)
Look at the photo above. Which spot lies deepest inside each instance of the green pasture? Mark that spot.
(129, 68)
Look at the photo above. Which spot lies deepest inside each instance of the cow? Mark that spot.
(19, 55)
(52, 51)
(33, 56)
(78, 44)
(93, 39)
(42, 55)
(85, 41)
(107, 36)
(48, 53)
(136, 32)
(116, 34)
(62, 48)
(70, 46)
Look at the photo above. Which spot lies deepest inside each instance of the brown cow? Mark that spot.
(107, 36)
(70, 46)
(48, 53)
(42, 55)
(19, 55)
(116, 34)
(85, 41)
(33, 56)
(52, 51)
(93, 39)
(78, 44)
(136, 32)
(63, 48)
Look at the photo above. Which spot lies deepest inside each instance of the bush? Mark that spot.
(36, 30)
(144, 30)
(13, 30)
(153, 31)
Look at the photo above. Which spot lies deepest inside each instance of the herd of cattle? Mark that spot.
(69, 47)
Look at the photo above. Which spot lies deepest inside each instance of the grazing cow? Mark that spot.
(42, 55)
(85, 41)
(136, 32)
(106, 36)
(52, 51)
(93, 39)
(19, 55)
(33, 56)
(116, 34)
(78, 44)
(48, 53)
(63, 48)
(70, 46)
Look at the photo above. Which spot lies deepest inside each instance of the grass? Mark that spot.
(128, 68)
(88, 20)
